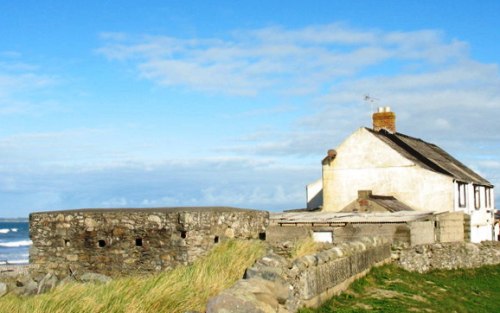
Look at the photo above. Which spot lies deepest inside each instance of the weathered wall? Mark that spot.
(314, 194)
(393, 232)
(323, 276)
(115, 242)
(275, 284)
(385, 172)
(422, 232)
(450, 227)
(455, 255)
(412, 233)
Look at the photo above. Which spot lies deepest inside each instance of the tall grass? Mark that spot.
(307, 246)
(179, 290)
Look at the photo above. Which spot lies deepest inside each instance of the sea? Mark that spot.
(14, 243)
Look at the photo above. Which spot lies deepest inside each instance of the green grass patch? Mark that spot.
(392, 289)
(177, 291)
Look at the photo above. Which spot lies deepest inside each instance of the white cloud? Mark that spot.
(19, 81)
(250, 62)
(437, 90)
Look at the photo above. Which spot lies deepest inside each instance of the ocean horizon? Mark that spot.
(14, 242)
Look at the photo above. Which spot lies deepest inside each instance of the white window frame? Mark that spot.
(477, 197)
(487, 197)
(462, 194)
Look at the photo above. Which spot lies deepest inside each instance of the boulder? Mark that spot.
(254, 295)
(67, 280)
(26, 286)
(47, 283)
(3, 289)
(95, 278)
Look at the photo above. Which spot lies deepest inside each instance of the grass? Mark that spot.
(392, 289)
(307, 246)
(177, 291)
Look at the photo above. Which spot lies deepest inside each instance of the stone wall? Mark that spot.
(455, 255)
(276, 284)
(125, 241)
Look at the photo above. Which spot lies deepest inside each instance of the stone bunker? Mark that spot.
(124, 241)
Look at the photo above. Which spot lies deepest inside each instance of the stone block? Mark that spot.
(3, 289)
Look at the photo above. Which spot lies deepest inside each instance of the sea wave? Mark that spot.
(15, 244)
(5, 230)
(14, 262)
(14, 230)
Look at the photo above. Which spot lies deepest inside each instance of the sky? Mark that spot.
(234, 103)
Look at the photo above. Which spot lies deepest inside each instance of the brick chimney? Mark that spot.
(384, 119)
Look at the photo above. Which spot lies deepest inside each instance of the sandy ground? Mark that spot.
(13, 270)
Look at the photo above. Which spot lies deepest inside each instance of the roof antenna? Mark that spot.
(370, 99)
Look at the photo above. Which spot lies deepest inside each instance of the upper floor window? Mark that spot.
(477, 197)
(462, 195)
(487, 197)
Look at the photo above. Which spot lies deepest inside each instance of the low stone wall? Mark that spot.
(425, 258)
(125, 241)
(277, 284)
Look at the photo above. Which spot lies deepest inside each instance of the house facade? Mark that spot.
(417, 173)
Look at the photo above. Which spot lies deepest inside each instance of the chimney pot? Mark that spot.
(364, 194)
(384, 119)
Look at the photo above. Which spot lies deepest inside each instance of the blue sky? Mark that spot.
(168, 103)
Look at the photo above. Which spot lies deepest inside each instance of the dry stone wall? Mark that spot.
(277, 284)
(424, 258)
(126, 241)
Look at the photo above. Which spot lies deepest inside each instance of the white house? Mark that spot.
(418, 173)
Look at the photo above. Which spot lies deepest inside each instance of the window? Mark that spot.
(477, 197)
(323, 236)
(262, 236)
(487, 197)
(138, 242)
(102, 243)
(216, 239)
(462, 195)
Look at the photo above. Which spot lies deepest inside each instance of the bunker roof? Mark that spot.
(160, 209)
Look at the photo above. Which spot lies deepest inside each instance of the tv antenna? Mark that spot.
(370, 99)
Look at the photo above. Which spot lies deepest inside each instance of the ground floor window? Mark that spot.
(323, 236)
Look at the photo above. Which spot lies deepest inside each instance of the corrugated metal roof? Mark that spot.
(390, 203)
(429, 156)
(338, 217)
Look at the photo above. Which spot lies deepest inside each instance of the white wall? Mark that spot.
(482, 218)
(364, 162)
(314, 194)
(480, 233)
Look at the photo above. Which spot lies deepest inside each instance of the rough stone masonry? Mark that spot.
(126, 241)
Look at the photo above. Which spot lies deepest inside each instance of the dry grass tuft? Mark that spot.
(182, 289)
(308, 246)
